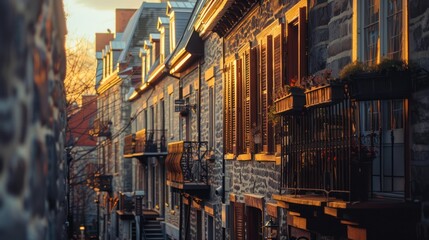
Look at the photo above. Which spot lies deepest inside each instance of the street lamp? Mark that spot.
(82, 229)
(270, 228)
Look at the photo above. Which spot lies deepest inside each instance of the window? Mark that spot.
(171, 113)
(211, 127)
(386, 120)
(162, 45)
(116, 152)
(145, 124)
(251, 79)
(382, 27)
(172, 34)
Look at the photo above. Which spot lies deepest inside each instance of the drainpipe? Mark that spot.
(180, 216)
(223, 140)
(199, 106)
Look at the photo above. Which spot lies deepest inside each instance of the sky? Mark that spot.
(86, 17)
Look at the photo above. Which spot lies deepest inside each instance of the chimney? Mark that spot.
(101, 40)
(122, 18)
(88, 99)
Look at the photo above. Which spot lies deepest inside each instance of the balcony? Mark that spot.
(126, 205)
(324, 157)
(101, 128)
(145, 143)
(186, 169)
(102, 183)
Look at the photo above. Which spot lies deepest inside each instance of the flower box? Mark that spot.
(293, 102)
(324, 95)
(380, 86)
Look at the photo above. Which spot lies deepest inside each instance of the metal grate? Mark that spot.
(317, 150)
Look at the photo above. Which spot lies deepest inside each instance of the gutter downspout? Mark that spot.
(223, 140)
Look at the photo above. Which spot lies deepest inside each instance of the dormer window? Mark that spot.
(154, 39)
(172, 33)
(143, 56)
(163, 28)
(148, 61)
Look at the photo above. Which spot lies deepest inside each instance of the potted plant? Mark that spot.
(289, 99)
(390, 79)
(323, 89)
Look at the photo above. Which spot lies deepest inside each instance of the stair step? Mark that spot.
(152, 226)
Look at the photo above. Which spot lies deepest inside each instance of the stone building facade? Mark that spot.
(217, 88)
(33, 168)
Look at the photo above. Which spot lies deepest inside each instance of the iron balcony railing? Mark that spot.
(317, 150)
(101, 128)
(184, 162)
(145, 141)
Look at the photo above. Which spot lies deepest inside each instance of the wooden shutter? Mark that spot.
(266, 91)
(227, 111)
(263, 91)
(253, 97)
(302, 43)
(269, 141)
(239, 232)
(233, 112)
(239, 104)
(292, 52)
(246, 98)
(278, 60)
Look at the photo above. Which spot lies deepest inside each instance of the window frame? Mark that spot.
(358, 53)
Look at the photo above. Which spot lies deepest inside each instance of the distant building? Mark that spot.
(119, 68)
(81, 147)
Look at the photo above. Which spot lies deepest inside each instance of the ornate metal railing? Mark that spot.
(317, 150)
(101, 128)
(146, 141)
(185, 162)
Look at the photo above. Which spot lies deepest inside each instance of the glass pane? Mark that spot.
(398, 160)
(376, 184)
(394, 29)
(398, 116)
(371, 37)
(371, 12)
(387, 184)
(399, 184)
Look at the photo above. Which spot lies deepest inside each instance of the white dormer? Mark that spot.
(179, 13)
(147, 46)
(116, 48)
(154, 40)
(145, 70)
(164, 40)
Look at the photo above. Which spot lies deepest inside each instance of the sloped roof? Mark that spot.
(140, 25)
(186, 36)
(179, 6)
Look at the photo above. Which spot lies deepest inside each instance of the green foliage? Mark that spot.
(386, 65)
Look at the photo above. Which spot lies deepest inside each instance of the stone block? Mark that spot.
(319, 16)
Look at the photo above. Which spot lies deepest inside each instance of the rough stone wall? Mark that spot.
(329, 35)
(32, 116)
(419, 53)
(252, 176)
(212, 59)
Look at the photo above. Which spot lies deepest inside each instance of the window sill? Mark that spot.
(244, 157)
(229, 156)
(263, 157)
